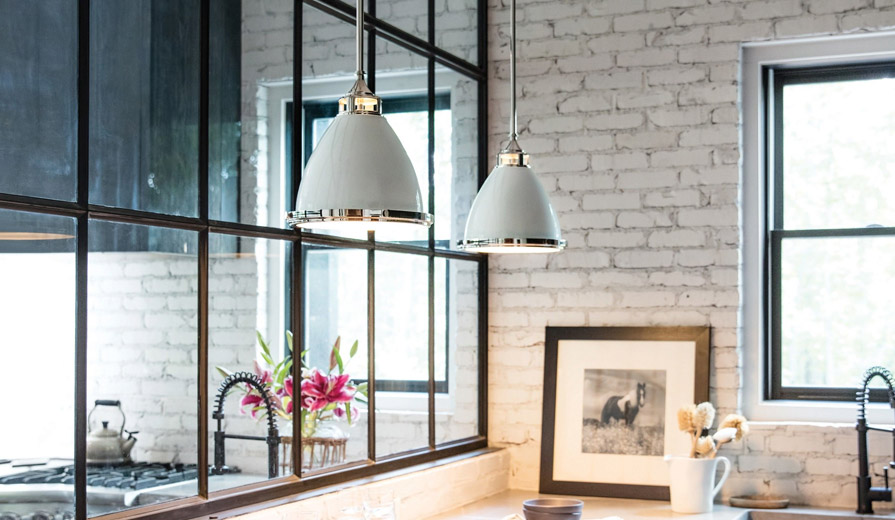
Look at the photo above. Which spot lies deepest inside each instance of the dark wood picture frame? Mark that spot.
(701, 338)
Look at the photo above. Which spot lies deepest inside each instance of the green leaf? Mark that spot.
(353, 351)
(223, 371)
(264, 348)
(362, 389)
(289, 340)
(348, 411)
(339, 362)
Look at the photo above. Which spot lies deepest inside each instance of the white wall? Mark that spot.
(630, 111)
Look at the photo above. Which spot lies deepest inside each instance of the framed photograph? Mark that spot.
(611, 396)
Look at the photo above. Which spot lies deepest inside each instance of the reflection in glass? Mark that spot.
(456, 28)
(37, 331)
(835, 308)
(328, 72)
(142, 352)
(402, 84)
(457, 349)
(456, 155)
(335, 306)
(248, 291)
(38, 98)
(838, 154)
(144, 105)
(402, 352)
(250, 152)
(411, 16)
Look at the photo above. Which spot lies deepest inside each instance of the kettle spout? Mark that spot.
(127, 445)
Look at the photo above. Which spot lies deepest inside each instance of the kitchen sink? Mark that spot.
(807, 514)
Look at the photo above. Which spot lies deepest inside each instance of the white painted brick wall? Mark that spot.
(629, 108)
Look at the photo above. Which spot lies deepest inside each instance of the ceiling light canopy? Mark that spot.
(512, 213)
(359, 175)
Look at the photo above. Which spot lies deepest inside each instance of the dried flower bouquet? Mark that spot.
(697, 420)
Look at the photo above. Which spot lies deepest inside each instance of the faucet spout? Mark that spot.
(273, 437)
(867, 493)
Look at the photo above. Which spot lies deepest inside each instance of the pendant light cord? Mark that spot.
(360, 39)
(512, 70)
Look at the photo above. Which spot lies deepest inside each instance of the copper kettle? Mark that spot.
(105, 445)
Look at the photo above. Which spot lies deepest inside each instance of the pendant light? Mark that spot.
(359, 176)
(511, 213)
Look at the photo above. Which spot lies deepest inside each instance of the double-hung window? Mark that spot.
(830, 234)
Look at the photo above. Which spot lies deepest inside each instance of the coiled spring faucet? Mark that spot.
(867, 493)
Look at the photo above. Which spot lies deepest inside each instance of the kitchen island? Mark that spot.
(509, 502)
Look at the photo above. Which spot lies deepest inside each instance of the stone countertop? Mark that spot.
(509, 502)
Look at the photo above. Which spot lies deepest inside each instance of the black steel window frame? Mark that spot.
(83, 211)
(776, 233)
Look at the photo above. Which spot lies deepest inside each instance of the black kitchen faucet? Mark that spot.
(867, 493)
(273, 435)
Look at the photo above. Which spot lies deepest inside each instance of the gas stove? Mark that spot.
(46, 491)
(128, 477)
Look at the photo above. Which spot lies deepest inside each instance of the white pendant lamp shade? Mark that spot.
(359, 175)
(512, 214)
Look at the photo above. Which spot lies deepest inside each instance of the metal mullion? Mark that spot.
(483, 346)
(430, 77)
(131, 216)
(775, 315)
(202, 365)
(457, 255)
(40, 205)
(334, 241)
(431, 349)
(387, 31)
(297, 266)
(81, 259)
(836, 233)
(249, 231)
(371, 351)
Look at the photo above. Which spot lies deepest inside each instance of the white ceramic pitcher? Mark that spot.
(693, 487)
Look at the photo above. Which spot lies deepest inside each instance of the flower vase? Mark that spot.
(325, 446)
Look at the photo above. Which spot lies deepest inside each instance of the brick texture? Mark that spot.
(652, 220)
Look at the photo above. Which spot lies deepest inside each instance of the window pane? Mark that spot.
(144, 105)
(38, 98)
(839, 165)
(401, 81)
(335, 306)
(37, 331)
(456, 155)
(248, 289)
(402, 352)
(328, 72)
(251, 69)
(457, 349)
(142, 353)
(836, 309)
(456, 28)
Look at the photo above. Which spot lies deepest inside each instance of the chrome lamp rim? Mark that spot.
(543, 243)
(298, 219)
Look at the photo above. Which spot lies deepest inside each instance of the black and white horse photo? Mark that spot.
(624, 412)
(624, 408)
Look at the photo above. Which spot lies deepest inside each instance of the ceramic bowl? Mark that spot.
(534, 515)
(553, 505)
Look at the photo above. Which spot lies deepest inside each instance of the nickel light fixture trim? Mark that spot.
(512, 213)
(359, 175)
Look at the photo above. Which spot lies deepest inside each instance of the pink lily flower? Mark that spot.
(326, 389)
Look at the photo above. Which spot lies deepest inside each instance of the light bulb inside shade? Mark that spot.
(359, 226)
(492, 250)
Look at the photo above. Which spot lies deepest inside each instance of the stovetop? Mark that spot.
(126, 477)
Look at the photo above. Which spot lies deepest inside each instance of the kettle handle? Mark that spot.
(107, 402)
